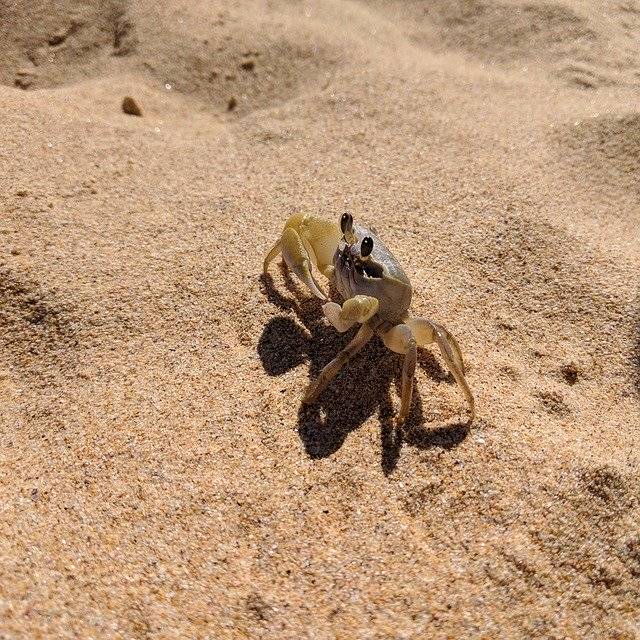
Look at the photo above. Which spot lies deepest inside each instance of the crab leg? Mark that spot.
(401, 340)
(426, 332)
(330, 371)
(297, 258)
(271, 256)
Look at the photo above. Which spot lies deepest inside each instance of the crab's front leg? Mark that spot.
(365, 333)
(307, 241)
(358, 309)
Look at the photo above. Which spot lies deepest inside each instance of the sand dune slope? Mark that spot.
(160, 476)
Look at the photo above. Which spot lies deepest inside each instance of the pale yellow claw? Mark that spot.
(333, 313)
(307, 242)
(358, 309)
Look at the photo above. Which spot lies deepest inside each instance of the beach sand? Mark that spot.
(160, 478)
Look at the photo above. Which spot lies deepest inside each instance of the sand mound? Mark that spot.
(575, 43)
(37, 330)
(606, 146)
(44, 46)
(504, 32)
(258, 62)
(517, 257)
(230, 62)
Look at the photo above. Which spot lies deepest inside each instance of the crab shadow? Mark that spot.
(360, 389)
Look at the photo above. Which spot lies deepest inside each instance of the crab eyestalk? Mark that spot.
(346, 226)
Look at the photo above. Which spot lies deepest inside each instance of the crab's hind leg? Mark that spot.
(331, 370)
(426, 332)
(401, 340)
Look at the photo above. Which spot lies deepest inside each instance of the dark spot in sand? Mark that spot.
(508, 324)
(569, 373)
(630, 554)
(58, 37)
(510, 371)
(604, 482)
(257, 606)
(553, 403)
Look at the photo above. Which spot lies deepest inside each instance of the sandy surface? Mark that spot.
(159, 478)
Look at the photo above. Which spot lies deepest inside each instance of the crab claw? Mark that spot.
(358, 309)
(306, 242)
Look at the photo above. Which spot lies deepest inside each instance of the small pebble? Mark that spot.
(23, 82)
(58, 37)
(130, 106)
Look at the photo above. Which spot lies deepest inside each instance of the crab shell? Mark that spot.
(379, 276)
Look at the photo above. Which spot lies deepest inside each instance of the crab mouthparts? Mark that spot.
(345, 256)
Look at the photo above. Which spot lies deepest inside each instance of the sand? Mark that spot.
(160, 478)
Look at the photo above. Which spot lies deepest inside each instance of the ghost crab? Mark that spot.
(376, 294)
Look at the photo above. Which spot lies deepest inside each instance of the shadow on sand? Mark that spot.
(360, 389)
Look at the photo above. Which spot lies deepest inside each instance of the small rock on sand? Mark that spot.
(24, 78)
(130, 106)
(58, 37)
(570, 373)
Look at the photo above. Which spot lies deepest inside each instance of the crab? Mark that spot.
(376, 294)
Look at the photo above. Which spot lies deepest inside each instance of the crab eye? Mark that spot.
(346, 222)
(366, 247)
